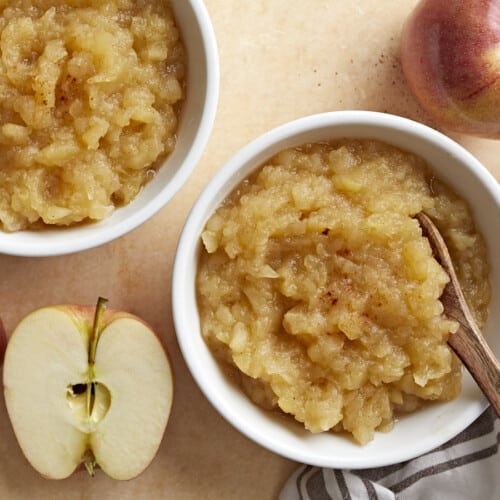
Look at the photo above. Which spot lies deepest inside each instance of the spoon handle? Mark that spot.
(477, 356)
(468, 341)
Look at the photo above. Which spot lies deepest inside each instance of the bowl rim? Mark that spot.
(226, 178)
(27, 243)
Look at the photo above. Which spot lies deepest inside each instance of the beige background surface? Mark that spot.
(280, 60)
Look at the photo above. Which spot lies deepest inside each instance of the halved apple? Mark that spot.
(87, 384)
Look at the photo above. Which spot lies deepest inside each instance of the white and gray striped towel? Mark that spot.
(465, 468)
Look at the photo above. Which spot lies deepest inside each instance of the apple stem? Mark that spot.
(96, 328)
(96, 332)
(89, 463)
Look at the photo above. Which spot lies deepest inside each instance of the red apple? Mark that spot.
(450, 54)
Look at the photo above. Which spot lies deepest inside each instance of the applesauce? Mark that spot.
(90, 94)
(316, 285)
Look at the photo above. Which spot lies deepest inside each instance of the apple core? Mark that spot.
(100, 401)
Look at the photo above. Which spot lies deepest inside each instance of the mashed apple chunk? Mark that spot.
(316, 284)
(90, 93)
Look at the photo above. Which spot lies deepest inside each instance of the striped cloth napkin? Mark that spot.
(465, 468)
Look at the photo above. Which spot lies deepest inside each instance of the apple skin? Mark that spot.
(3, 341)
(83, 318)
(450, 56)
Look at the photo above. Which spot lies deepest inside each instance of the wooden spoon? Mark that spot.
(468, 342)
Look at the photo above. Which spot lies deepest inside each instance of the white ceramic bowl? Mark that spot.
(412, 435)
(195, 125)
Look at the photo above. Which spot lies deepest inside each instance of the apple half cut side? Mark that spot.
(85, 384)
